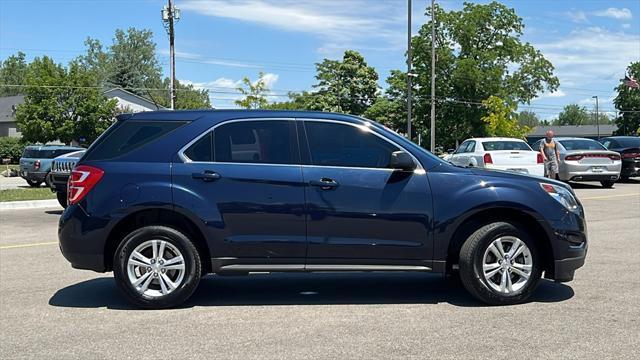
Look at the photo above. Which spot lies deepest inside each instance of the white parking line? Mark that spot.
(16, 246)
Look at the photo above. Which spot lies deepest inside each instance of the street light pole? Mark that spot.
(597, 116)
(409, 74)
(433, 77)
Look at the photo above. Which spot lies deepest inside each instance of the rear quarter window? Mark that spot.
(126, 136)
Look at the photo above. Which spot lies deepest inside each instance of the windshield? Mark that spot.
(582, 144)
(505, 145)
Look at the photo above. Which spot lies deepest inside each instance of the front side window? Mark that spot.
(260, 141)
(332, 144)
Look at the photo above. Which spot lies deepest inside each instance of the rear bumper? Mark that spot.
(81, 239)
(537, 170)
(573, 172)
(33, 175)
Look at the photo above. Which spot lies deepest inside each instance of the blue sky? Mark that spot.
(590, 42)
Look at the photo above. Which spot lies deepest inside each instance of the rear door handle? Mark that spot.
(324, 183)
(206, 175)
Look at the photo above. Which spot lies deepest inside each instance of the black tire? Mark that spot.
(34, 183)
(471, 264)
(62, 199)
(623, 178)
(191, 261)
(607, 184)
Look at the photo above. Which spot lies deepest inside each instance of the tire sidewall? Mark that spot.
(497, 231)
(177, 239)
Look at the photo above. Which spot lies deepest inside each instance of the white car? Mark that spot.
(499, 153)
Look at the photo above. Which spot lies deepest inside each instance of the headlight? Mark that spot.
(563, 196)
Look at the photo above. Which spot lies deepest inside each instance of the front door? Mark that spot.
(360, 211)
(244, 180)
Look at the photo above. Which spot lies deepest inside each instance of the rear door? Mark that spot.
(458, 157)
(360, 211)
(244, 180)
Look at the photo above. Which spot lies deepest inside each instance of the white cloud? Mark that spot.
(591, 54)
(626, 26)
(577, 16)
(224, 90)
(555, 94)
(621, 14)
(340, 24)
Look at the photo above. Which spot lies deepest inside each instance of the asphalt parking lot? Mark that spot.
(48, 310)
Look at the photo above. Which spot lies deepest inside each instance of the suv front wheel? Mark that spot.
(499, 264)
(157, 267)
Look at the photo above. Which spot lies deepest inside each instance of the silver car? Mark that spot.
(586, 160)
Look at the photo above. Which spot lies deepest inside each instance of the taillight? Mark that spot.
(540, 159)
(614, 157)
(487, 159)
(82, 179)
(36, 165)
(630, 155)
(573, 157)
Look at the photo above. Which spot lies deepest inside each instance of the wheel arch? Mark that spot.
(156, 216)
(503, 214)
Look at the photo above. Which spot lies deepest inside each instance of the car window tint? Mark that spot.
(126, 136)
(201, 150)
(262, 141)
(505, 145)
(462, 148)
(45, 153)
(471, 147)
(607, 143)
(581, 144)
(628, 142)
(334, 144)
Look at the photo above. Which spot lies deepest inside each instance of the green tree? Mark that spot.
(573, 114)
(348, 86)
(528, 118)
(62, 104)
(386, 111)
(13, 71)
(254, 93)
(480, 53)
(502, 120)
(627, 103)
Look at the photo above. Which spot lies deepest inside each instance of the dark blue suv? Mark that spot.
(164, 198)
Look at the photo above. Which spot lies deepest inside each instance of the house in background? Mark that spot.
(584, 131)
(8, 105)
(127, 101)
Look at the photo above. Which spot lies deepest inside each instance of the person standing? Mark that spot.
(550, 154)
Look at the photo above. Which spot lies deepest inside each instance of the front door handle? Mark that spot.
(324, 183)
(206, 175)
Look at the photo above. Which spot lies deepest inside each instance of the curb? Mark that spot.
(29, 204)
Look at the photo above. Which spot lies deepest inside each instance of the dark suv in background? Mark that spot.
(629, 149)
(163, 198)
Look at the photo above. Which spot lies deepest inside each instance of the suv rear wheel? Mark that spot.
(157, 267)
(607, 184)
(499, 264)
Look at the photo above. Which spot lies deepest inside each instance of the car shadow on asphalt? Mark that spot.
(54, 212)
(304, 289)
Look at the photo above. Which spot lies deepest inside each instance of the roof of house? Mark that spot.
(575, 130)
(139, 99)
(7, 107)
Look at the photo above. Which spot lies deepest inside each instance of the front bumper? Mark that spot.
(630, 168)
(569, 246)
(58, 181)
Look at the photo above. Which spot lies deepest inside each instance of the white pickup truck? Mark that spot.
(499, 153)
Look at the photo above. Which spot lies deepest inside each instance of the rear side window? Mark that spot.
(260, 141)
(505, 145)
(471, 147)
(332, 144)
(201, 150)
(126, 136)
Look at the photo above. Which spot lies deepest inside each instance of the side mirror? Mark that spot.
(400, 160)
(450, 151)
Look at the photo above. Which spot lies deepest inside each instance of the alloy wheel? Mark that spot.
(507, 264)
(155, 268)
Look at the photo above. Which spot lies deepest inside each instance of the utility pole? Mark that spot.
(169, 13)
(409, 74)
(433, 77)
(597, 116)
